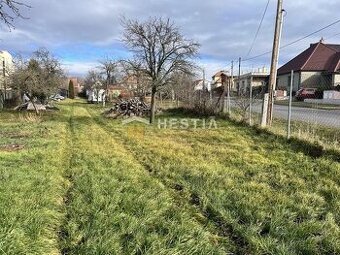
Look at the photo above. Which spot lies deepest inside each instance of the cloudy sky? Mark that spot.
(81, 32)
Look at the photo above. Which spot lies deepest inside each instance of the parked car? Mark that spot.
(306, 93)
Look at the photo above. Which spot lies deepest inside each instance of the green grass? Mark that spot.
(328, 137)
(31, 184)
(83, 184)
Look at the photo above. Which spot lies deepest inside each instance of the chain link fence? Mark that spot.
(306, 106)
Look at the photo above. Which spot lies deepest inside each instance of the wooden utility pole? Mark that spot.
(239, 76)
(204, 90)
(274, 62)
(231, 85)
(232, 73)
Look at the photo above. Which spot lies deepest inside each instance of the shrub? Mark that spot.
(71, 90)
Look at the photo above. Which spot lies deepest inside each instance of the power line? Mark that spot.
(296, 41)
(259, 28)
(332, 36)
(321, 29)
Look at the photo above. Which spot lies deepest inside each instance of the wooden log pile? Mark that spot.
(131, 107)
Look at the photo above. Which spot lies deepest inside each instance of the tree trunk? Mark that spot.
(2, 101)
(106, 92)
(35, 107)
(104, 98)
(153, 105)
(160, 99)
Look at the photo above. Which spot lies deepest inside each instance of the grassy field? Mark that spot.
(73, 182)
(328, 137)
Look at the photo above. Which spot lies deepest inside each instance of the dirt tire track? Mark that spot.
(223, 229)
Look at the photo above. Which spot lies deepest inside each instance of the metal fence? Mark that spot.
(306, 105)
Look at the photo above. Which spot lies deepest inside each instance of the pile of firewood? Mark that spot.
(131, 107)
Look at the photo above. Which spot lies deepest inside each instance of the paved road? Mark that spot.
(329, 118)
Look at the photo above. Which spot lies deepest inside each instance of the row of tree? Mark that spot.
(37, 77)
(162, 61)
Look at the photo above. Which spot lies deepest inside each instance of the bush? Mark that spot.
(71, 90)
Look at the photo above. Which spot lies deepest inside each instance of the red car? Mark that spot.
(305, 93)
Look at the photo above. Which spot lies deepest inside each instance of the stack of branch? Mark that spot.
(131, 107)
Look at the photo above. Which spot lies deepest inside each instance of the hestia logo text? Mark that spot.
(187, 123)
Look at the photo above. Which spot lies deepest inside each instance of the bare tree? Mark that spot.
(182, 88)
(135, 78)
(108, 68)
(9, 10)
(39, 76)
(160, 50)
(242, 104)
(91, 78)
(94, 82)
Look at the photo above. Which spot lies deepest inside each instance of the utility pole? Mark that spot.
(204, 89)
(274, 62)
(251, 101)
(239, 76)
(231, 85)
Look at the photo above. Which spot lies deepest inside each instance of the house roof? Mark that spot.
(318, 57)
(220, 73)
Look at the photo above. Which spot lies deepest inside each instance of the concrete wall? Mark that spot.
(315, 80)
(307, 80)
(336, 79)
(247, 79)
(283, 82)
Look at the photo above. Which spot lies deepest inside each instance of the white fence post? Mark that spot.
(290, 104)
(264, 110)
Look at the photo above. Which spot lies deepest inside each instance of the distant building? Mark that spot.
(220, 78)
(316, 67)
(118, 90)
(6, 68)
(96, 94)
(200, 85)
(76, 84)
(219, 81)
(257, 80)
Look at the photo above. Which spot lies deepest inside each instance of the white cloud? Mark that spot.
(225, 29)
(74, 68)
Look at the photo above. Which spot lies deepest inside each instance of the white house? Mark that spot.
(95, 95)
(6, 68)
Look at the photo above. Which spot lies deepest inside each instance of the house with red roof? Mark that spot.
(220, 79)
(316, 67)
(118, 90)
